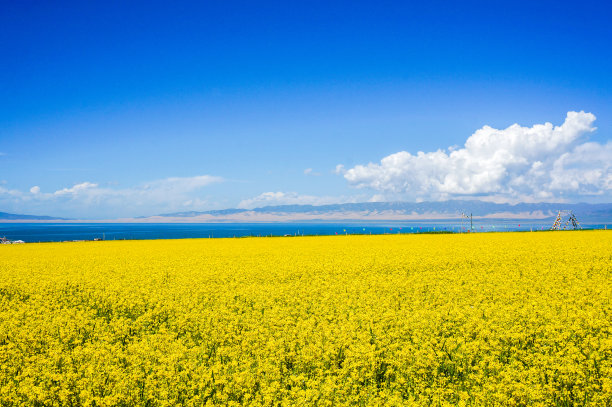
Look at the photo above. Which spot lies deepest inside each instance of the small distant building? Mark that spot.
(4, 240)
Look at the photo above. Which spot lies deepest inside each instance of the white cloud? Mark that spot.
(12, 193)
(291, 198)
(88, 199)
(310, 171)
(539, 163)
(76, 189)
(377, 198)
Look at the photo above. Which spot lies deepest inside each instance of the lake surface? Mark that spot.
(57, 232)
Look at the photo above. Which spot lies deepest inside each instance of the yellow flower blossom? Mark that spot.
(470, 319)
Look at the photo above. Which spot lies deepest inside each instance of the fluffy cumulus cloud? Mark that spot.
(539, 163)
(291, 198)
(88, 199)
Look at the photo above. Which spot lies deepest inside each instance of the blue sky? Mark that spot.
(113, 110)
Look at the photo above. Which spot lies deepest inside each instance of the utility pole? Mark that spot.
(463, 215)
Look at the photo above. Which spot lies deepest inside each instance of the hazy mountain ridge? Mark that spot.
(365, 211)
(451, 208)
(15, 216)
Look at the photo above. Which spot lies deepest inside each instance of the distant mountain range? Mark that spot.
(376, 211)
(14, 216)
(368, 211)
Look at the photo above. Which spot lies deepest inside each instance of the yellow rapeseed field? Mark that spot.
(482, 319)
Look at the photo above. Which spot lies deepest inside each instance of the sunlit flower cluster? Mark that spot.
(470, 319)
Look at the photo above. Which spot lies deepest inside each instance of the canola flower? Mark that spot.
(480, 319)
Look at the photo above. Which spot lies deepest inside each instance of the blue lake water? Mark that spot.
(56, 232)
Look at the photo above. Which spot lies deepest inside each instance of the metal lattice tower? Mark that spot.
(466, 217)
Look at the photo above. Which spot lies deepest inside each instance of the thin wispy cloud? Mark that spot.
(310, 171)
(292, 198)
(539, 163)
(174, 193)
(75, 190)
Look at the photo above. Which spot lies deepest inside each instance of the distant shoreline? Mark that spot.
(91, 231)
